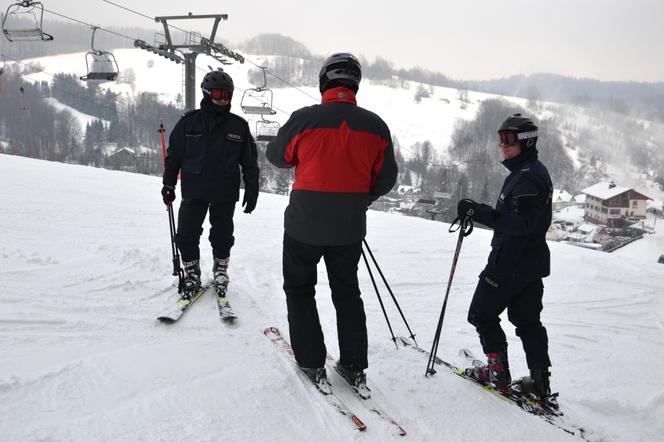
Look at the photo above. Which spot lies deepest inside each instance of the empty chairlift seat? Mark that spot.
(23, 22)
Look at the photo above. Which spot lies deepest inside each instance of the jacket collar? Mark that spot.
(214, 111)
(339, 95)
(526, 156)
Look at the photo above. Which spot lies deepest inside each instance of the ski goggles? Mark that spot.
(512, 138)
(219, 94)
(508, 138)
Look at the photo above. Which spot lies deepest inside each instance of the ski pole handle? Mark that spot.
(466, 225)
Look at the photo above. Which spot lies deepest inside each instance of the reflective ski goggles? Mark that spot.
(508, 138)
(219, 94)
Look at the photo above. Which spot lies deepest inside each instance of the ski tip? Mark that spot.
(360, 425)
(271, 330)
(165, 320)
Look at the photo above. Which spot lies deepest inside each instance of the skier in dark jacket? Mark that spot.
(344, 160)
(519, 259)
(208, 147)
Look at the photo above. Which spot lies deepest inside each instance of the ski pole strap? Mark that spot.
(466, 225)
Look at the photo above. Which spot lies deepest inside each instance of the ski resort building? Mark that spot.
(613, 206)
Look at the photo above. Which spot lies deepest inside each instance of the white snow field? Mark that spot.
(85, 268)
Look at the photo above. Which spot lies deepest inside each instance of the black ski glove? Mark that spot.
(249, 201)
(168, 194)
(466, 209)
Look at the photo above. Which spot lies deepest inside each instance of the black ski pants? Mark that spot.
(300, 262)
(190, 227)
(522, 298)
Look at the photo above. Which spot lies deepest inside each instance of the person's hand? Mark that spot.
(466, 209)
(168, 194)
(249, 200)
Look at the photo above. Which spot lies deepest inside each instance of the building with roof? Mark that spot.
(612, 205)
(561, 199)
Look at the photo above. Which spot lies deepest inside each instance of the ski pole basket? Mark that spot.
(23, 22)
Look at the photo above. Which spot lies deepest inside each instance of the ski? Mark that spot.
(546, 407)
(549, 415)
(273, 334)
(365, 398)
(225, 311)
(172, 314)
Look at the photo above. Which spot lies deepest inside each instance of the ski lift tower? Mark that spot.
(191, 50)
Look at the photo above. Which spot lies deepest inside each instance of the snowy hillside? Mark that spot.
(586, 132)
(85, 267)
(433, 119)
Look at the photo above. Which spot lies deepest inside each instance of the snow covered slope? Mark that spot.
(85, 267)
(432, 119)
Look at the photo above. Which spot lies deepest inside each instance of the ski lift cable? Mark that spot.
(249, 60)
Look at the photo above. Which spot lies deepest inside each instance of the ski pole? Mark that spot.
(389, 289)
(380, 300)
(177, 269)
(464, 228)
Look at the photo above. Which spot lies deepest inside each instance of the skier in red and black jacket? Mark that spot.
(344, 160)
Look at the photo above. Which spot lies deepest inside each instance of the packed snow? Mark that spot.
(86, 267)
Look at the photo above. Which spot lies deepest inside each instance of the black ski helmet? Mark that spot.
(525, 129)
(341, 69)
(217, 80)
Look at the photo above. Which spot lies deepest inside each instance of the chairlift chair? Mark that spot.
(266, 130)
(15, 30)
(101, 65)
(261, 95)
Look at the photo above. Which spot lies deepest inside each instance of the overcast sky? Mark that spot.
(472, 39)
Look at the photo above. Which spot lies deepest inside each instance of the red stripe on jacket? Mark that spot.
(336, 159)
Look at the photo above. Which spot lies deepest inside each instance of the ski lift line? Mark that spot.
(247, 59)
(128, 9)
(88, 24)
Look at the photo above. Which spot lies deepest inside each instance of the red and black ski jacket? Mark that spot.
(343, 159)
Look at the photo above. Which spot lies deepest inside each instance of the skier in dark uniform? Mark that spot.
(344, 160)
(208, 147)
(519, 259)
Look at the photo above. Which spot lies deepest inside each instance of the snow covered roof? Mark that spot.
(561, 196)
(604, 191)
(125, 149)
(580, 198)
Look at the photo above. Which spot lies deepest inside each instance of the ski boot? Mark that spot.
(192, 280)
(537, 387)
(319, 377)
(496, 372)
(356, 378)
(220, 273)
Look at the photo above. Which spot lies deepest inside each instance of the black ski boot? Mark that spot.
(537, 386)
(192, 279)
(496, 371)
(356, 378)
(319, 377)
(220, 273)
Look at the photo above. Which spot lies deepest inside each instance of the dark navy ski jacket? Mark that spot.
(209, 148)
(521, 219)
(343, 159)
